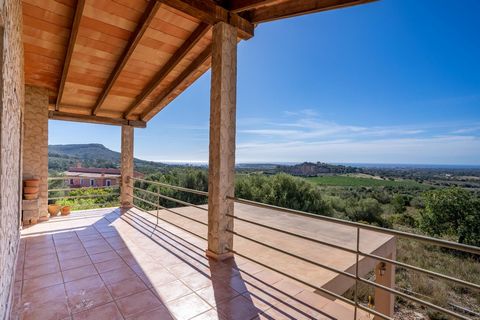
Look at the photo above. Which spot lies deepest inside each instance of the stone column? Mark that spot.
(385, 276)
(126, 191)
(35, 147)
(221, 175)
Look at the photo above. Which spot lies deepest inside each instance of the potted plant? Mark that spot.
(65, 210)
(53, 209)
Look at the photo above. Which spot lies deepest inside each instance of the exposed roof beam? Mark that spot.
(169, 66)
(210, 12)
(142, 26)
(71, 44)
(295, 8)
(244, 5)
(159, 101)
(66, 116)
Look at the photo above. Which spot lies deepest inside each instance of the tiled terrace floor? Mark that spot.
(102, 265)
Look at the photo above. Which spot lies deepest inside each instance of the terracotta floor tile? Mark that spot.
(160, 313)
(217, 293)
(70, 247)
(107, 311)
(74, 263)
(44, 295)
(117, 275)
(268, 276)
(48, 280)
(46, 311)
(237, 283)
(338, 312)
(126, 287)
(98, 249)
(41, 270)
(187, 307)
(103, 256)
(95, 242)
(109, 265)
(84, 299)
(171, 291)
(71, 254)
(238, 308)
(31, 253)
(160, 277)
(197, 281)
(182, 270)
(36, 261)
(88, 237)
(211, 314)
(138, 303)
(288, 287)
(79, 273)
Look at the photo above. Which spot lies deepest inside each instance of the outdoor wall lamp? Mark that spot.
(382, 268)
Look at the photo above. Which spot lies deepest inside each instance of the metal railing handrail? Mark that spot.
(202, 193)
(358, 252)
(439, 242)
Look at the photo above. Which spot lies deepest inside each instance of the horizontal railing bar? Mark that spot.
(80, 197)
(294, 234)
(83, 188)
(439, 242)
(83, 177)
(328, 292)
(426, 271)
(346, 274)
(186, 230)
(203, 193)
(409, 297)
(169, 210)
(171, 199)
(146, 201)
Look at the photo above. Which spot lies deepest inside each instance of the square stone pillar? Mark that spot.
(35, 145)
(126, 191)
(221, 165)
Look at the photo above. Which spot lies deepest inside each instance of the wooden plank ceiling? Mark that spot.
(122, 61)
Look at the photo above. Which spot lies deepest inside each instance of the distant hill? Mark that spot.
(63, 156)
(310, 169)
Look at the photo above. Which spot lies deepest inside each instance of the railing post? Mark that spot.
(385, 275)
(221, 176)
(126, 191)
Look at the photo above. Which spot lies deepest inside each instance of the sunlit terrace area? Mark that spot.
(116, 264)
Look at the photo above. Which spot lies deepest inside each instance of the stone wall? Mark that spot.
(35, 142)
(12, 98)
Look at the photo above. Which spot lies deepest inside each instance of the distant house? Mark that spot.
(79, 177)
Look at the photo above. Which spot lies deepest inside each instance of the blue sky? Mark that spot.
(394, 81)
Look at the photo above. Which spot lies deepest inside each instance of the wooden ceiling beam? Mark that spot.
(68, 56)
(67, 116)
(169, 66)
(244, 5)
(160, 100)
(210, 12)
(142, 26)
(296, 8)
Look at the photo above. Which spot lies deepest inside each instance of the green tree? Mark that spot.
(454, 212)
(399, 203)
(366, 210)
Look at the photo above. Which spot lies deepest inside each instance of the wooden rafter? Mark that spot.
(177, 57)
(59, 115)
(159, 101)
(244, 5)
(142, 26)
(295, 8)
(71, 44)
(210, 12)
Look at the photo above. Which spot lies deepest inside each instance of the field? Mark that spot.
(351, 181)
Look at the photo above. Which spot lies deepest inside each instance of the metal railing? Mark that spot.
(358, 253)
(59, 189)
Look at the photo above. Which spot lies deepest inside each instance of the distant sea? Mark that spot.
(350, 164)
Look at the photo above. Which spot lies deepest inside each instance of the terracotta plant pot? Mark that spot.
(53, 209)
(30, 190)
(29, 196)
(31, 183)
(65, 210)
